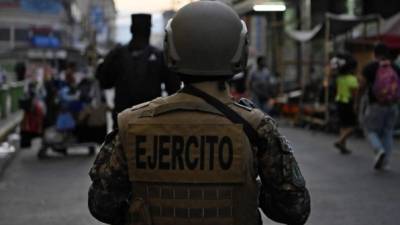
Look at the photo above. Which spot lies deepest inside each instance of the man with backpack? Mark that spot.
(381, 82)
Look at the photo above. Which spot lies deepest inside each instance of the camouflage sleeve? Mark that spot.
(284, 197)
(110, 189)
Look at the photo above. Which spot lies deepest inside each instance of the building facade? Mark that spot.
(48, 29)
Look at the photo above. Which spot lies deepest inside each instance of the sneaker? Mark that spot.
(342, 148)
(379, 160)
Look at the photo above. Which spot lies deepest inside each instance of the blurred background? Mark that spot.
(43, 41)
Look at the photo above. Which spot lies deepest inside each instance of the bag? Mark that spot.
(386, 87)
(65, 122)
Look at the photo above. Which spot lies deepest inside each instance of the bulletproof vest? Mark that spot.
(188, 164)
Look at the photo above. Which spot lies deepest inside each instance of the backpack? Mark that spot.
(386, 87)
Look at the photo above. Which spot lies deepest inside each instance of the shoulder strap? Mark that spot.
(233, 116)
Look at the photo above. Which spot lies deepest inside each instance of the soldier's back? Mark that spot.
(199, 159)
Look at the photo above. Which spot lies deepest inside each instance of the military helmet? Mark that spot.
(206, 38)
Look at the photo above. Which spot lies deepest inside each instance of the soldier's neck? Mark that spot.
(213, 88)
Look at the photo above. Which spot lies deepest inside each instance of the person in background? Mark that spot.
(20, 71)
(238, 85)
(32, 123)
(381, 83)
(261, 84)
(3, 76)
(136, 70)
(347, 86)
(92, 121)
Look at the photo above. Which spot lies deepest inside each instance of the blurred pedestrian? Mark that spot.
(34, 112)
(137, 69)
(381, 82)
(193, 157)
(3, 76)
(92, 121)
(20, 71)
(346, 92)
(261, 84)
(50, 98)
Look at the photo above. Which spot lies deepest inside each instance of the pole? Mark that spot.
(326, 61)
(299, 53)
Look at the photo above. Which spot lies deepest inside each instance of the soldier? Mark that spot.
(193, 157)
(137, 69)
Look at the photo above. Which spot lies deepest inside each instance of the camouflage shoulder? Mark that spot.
(106, 149)
(135, 108)
(150, 104)
(249, 112)
(137, 111)
(247, 103)
(140, 106)
(264, 124)
(130, 113)
(111, 136)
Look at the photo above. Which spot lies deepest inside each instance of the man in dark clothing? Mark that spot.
(379, 117)
(137, 69)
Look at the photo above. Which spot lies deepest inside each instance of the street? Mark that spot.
(344, 188)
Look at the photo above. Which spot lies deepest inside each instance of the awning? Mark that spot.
(392, 26)
(389, 32)
(338, 24)
(302, 35)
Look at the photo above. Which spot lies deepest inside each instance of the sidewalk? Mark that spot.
(7, 152)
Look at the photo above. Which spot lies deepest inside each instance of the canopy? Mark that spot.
(389, 33)
(338, 24)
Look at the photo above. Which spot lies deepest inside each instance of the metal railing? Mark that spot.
(10, 95)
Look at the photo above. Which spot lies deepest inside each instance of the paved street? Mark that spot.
(344, 189)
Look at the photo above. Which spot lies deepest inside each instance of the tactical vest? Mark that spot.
(188, 164)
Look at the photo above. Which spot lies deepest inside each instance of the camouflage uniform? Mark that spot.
(283, 195)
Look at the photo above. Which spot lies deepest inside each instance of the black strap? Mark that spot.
(228, 112)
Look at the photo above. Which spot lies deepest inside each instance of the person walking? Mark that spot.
(347, 86)
(381, 83)
(193, 157)
(261, 84)
(136, 70)
(20, 71)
